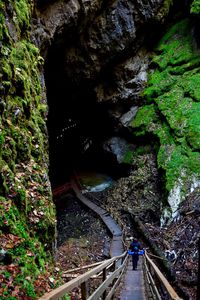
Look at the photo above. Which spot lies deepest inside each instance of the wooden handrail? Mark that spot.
(112, 291)
(63, 289)
(84, 267)
(81, 280)
(163, 280)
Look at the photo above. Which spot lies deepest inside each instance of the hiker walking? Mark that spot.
(135, 247)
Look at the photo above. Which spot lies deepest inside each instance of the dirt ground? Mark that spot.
(82, 237)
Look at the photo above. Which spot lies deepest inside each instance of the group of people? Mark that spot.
(135, 250)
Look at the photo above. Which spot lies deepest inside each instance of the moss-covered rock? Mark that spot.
(27, 222)
(171, 112)
(195, 7)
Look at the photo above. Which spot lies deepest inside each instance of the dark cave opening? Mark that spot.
(77, 124)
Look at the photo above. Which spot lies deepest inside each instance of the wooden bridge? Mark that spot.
(146, 283)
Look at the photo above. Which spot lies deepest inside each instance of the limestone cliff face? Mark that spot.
(95, 32)
(106, 48)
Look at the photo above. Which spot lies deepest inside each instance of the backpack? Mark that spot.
(135, 247)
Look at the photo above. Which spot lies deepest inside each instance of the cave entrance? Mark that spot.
(77, 123)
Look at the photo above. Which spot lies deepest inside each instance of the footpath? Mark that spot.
(133, 283)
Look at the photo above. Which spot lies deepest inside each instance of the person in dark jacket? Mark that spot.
(134, 248)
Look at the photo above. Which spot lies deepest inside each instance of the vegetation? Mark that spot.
(172, 104)
(27, 214)
(195, 7)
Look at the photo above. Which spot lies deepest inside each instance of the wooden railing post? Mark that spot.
(114, 265)
(84, 290)
(104, 278)
(198, 278)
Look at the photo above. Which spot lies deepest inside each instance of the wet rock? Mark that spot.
(97, 32)
(5, 257)
(126, 79)
(118, 146)
(128, 117)
(2, 254)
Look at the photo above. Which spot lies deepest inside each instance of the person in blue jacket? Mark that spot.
(134, 248)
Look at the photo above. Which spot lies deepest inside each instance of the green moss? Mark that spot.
(195, 7)
(146, 116)
(25, 59)
(28, 253)
(173, 115)
(174, 165)
(29, 288)
(4, 33)
(159, 83)
(191, 86)
(23, 14)
(193, 129)
(7, 71)
(176, 110)
(148, 120)
(128, 157)
(176, 46)
(194, 162)
(2, 139)
(22, 141)
(163, 11)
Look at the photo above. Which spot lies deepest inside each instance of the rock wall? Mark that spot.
(96, 33)
(171, 112)
(27, 214)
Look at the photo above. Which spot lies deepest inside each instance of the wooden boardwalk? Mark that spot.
(133, 283)
(117, 243)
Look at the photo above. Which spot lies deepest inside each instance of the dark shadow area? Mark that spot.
(77, 124)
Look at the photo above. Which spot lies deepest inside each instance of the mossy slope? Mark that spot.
(172, 105)
(27, 215)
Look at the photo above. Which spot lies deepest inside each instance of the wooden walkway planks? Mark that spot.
(133, 286)
(133, 283)
(117, 243)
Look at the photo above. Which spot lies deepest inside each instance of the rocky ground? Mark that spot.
(82, 238)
